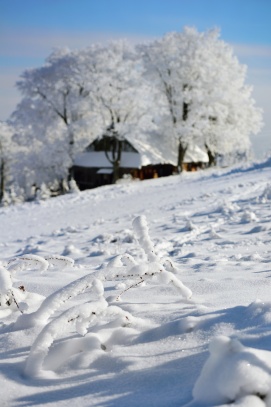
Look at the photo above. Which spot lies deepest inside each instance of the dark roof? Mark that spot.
(105, 143)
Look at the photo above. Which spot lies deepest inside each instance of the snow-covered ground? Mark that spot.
(97, 342)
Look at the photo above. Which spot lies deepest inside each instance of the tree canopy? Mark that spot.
(203, 85)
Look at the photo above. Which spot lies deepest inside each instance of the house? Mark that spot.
(149, 171)
(95, 165)
(195, 158)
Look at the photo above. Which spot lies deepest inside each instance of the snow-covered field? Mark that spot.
(97, 342)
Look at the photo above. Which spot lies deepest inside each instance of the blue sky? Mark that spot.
(31, 29)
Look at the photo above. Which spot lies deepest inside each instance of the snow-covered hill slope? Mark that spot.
(98, 342)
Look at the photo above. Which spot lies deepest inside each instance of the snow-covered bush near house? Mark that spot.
(43, 193)
(96, 305)
(73, 186)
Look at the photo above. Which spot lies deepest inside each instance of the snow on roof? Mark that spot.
(105, 171)
(146, 155)
(153, 154)
(195, 154)
(97, 159)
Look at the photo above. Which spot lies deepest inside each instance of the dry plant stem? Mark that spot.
(128, 288)
(14, 299)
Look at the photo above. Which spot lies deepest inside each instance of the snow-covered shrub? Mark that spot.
(79, 318)
(126, 179)
(266, 195)
(82, 317)
(248, 216)
(16, 194)
(59, 262)
(30, 261)
(54, 301)
(159, 270)
(124, 267)
(6, 200)
(9, 295)
(43, 193)
(73, 188)
(13, 196)
(6, 296)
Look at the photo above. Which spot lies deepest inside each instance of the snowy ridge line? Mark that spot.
(235, 169)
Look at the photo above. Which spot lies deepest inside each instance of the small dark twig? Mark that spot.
(14, 299)
(128, 288)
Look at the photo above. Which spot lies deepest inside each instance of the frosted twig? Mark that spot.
(58, 298)
(61, 324)
(128, 288)
(6, 289)
(56, 260)
(20, 263)
(155, 264)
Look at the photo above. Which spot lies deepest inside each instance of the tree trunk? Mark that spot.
(116, 150)
(182, 148)
(185, 111)
(116, 172)
(212, 157)
(116, 156)
(181, 153)
(2, 179)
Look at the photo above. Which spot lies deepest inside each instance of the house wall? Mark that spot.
(87, 178)
(193, 166)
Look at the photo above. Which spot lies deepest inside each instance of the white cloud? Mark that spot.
(31, 44)
(258, 61)
(247, 50)
(9, 96)
(30, 48)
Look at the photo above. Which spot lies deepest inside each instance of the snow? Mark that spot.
(152, 293)
(98, 159)
(194, 154)
(105, 171)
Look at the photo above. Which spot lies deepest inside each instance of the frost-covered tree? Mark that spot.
(121, 96)
(4, 141)
(82, 93)
(10, 155)
(203, 86)
(194, 90)
(43, 137)
(53, 95)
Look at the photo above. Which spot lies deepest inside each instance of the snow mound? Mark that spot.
(234, 373)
